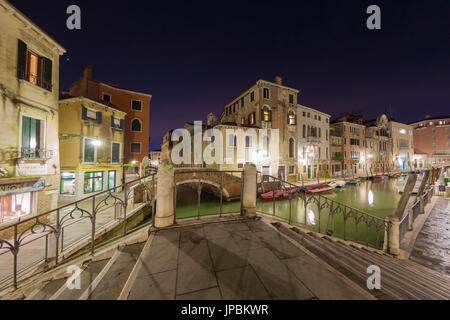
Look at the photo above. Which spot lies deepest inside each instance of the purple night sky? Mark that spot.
(194, 57)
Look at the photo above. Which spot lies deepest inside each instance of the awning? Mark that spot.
(22, 185)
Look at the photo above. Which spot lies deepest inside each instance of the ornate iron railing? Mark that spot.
(322, 214)
(55, 235)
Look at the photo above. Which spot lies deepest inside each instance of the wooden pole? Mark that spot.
(412, 178)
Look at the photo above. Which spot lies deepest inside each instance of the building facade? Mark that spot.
(313, 143)
(135, 104)
(155, 158)
(379, 146)
(29, 78)
(402, 146)
(432, 138)
(91, 139)
(352, 155)
(269, 105)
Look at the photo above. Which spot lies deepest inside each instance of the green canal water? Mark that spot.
(378, 198)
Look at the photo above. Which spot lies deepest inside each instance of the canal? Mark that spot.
(377, 198)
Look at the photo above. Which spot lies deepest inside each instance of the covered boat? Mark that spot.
(279, 194)
(318, 188)
(339, 184)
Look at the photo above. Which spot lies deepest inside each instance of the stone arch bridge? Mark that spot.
(211, 181)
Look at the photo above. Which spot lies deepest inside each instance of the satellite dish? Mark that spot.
(145, 162)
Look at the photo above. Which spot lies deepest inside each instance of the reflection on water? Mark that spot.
(370, 198)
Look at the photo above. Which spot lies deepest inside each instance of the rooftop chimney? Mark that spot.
(210, 119)
(279, 80)
(88, 72)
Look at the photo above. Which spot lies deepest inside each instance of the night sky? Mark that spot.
(194, 57)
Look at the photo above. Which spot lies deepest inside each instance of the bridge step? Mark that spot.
(399, 279)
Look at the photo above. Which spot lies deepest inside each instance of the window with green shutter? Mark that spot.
(31, 140)
(115, 156)
(89, 151)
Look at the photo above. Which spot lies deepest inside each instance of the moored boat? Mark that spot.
(278, 194)
(352, 181)
(339, 184)
(380, 176)
(317, 188)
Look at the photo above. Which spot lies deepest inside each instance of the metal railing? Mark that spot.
(54, 236)
(321, 214)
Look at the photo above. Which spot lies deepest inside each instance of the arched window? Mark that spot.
(291, 118)
(291, 148)
(266, 146)
(304, 131)
(136, 125)
(266, 114)
(242, 121)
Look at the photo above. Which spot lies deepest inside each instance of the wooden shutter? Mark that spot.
(21, 60)
(112, 121)
(270, 115)
(262, 114)
(99, 117)
(122, 123)
(84, 113)
(47, 74)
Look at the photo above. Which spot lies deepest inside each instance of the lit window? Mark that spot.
(93, 182)
(89, 150)
(266, 115)
(68, 183)
(16, 206)
(291, 118)
(266, 93)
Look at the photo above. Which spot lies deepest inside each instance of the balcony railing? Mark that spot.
(35, 79)
(36, 154)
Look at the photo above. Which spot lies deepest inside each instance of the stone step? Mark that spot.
(391, 286)
(89, 273)
(48, 290)
(424, 277)
(116, 274)
(353, 262)
(397, 273)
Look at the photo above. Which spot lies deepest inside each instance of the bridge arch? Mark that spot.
(202, 181)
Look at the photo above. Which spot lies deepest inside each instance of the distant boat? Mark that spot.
(339, 184)
(279, 194)
(352, 181)
(317, 188)
(395, 175)
(380, 176)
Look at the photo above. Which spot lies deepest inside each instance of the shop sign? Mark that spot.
(21, 187)
(31, 169)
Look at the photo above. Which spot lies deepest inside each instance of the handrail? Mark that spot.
(51, 224)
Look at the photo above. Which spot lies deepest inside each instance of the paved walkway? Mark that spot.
(234, 261)
(432, 247)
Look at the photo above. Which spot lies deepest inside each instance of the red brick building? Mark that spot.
(135, 104)
(432, 137)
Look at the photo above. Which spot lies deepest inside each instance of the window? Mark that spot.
(242, 121)
(266, 145)
(320, 118)
(106, 97)
(266, 93)
(117, 123)
(291, 148)
(354, 142)
(320, 133)
(135, 147)
(251, 119)
(242, 102)
(252, 96)
(304, 131)
(291, 99)
(32, 139)
(266, 114)
(93, 182)
(91, 115)
(234, 107)
(111, 179)
(309, 115)
(304, 113)
(248, 141)
(136, 125)
(291, 118)
(68, 183)
(326, 133)
(16, 206)
(315, 117)
(34, 68)
(291, 169)
(232, 140)
(136, 105)
(89, 150)
(115, 152)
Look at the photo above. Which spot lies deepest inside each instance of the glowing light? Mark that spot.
(370, 198)
(96, 143)
(33, 143)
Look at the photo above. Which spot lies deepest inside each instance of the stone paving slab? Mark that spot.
(246, 260)
(432, 246)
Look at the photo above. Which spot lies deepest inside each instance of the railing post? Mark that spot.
(125, 188)
(273, 195)
(248, 200)
(422, 204)
(318, 207)
(410, 219)
(166, 195)
(153, 200)
(394, 236)
(290, 206)
(199, 193)
(93, 226)
(15, 252)
(221, 193)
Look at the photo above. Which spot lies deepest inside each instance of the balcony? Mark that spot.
(266, 124)
(313, 139)
(36, 80)
(27, 154)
